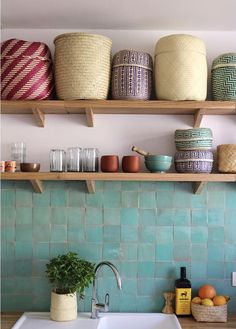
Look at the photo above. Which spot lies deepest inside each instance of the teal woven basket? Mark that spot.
(193, 139)
(223, 77)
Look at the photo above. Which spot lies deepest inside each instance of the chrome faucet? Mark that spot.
(100, 307)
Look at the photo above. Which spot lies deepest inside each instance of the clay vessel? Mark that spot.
(109, 163)
(131, 163)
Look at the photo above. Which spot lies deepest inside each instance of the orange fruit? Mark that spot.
(227, 298)
(219, 300)
(206, 291)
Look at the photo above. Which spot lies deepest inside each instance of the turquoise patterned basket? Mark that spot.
(193, 139)
(223, 73)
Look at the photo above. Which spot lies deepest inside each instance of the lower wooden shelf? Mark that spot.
(36, 178)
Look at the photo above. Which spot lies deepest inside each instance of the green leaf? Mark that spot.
(68, 273)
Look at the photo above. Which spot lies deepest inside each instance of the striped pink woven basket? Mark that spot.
(26, 70)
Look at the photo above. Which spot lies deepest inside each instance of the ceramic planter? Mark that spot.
(63, 307)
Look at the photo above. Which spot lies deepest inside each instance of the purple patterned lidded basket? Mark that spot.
(132, 75)
(197, 161)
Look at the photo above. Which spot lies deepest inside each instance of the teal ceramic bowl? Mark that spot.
(158, 166)
(162, 158)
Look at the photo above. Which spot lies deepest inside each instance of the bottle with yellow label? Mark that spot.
(182, 294)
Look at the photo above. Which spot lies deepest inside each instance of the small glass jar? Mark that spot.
(57, 160)
(90, 159)
(74, 159)
(18, 153)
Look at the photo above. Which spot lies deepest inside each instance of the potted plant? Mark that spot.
(69, 275)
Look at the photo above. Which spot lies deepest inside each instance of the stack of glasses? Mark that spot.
(78, 159)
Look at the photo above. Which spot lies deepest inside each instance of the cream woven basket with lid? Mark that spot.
(82, 66)
(180, 68)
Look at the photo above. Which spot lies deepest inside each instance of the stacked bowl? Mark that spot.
(193, 150)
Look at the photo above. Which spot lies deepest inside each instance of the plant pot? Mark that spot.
(63, 307)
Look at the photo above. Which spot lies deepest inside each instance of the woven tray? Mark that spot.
(203, 313)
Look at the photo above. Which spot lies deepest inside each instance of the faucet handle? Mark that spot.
(107, 299)
(106, 305)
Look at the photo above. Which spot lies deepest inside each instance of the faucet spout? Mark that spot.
(96, 307)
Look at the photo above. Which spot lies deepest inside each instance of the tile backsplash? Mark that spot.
(147, 229)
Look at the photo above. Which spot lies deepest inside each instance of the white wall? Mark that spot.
(113, 134)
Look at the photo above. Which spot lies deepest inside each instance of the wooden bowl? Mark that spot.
(34, 167)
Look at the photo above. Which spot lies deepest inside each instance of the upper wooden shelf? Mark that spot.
(91, 107)
(90, 177)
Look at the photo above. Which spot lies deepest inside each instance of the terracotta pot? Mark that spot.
(109, 163)
(131, 163)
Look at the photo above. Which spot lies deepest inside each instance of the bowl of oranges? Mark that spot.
(209, 306)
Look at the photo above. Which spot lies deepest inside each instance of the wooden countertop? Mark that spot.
(8, 319)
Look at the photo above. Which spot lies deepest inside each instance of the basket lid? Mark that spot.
(132, 57)
(180, 42)
(224, 60)
(83, 35)
(14, 48)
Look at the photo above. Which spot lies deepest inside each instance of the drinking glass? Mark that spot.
(18, 153)
(74, 159)
(90, 159)
(57, 160)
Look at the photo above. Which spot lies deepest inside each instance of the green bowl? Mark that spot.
(158, 157)
(158, 166)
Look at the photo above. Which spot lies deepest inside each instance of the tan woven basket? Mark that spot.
(226, 154)
(180, 68)
(82, 66)
(203, 313)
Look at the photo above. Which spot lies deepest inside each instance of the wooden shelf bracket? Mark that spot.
(91, 186)
(198, 118)
(198, 187)
(89, 116)
(37, 185)
(39, 116)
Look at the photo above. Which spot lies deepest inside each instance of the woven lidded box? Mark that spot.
(26, 70)
(223, 77)
(180, 68)
(202, 313)
(226, 154)
(132, 75)
(198, 161)
(82, 66)
(193, 139)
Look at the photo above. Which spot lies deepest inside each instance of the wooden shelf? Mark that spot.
(90, 177)
(91, 107)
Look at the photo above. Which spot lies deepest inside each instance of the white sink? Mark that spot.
(41, 320)
(138, 321)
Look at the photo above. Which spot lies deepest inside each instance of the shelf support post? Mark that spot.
(39, 116)
(89, 116)
(198, 118)
(37, 185)
(90, 186)
(198, 187)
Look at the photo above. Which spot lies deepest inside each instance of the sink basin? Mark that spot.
(139, 321)
(41, 320)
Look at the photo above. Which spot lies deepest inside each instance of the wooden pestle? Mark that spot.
(139, 151)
